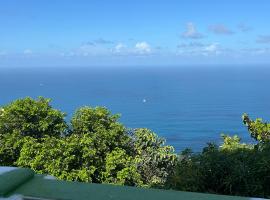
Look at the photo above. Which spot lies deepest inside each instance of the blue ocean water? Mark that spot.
(189, 106)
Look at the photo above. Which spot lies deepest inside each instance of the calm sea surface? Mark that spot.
(189, 106)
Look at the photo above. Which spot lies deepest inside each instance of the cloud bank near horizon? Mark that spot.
(170, 33)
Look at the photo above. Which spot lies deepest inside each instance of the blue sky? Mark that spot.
(141, 32)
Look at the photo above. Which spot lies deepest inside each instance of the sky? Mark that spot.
(130, 33)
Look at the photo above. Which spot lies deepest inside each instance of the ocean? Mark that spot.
(188, 106)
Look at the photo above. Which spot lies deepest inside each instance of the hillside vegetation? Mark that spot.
(95, 147)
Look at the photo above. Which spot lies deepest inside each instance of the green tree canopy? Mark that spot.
(100, 149)
(10, 148)
(70, 158)
(121, 168)
(155, 160)
(89, 120)
(258, 129)
(29, 117)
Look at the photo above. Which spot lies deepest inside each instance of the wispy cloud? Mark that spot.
(199, 49)
(99, 41)
(89, 43)
(191, 32)
(3, 53)
(120, 49)
(244, 28)
(27, 52)
(263, 39)
(190, 45)
(103, 41)
(255, 51)
(87, 49)
(220, 29)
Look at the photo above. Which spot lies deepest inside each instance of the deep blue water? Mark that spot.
(189, 106)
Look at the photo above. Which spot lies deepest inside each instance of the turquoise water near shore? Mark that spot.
(189, 106)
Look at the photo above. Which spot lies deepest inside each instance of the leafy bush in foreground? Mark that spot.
(95, 148)
(234, 168)
(10, 148)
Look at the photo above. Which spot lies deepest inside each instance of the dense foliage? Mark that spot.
(234, 168)
(96, 147)
(29, 117)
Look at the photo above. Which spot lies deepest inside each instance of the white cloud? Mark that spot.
(200, 49)
(27, 52)
(212, 47)
(191, 32)
(142, 48)
(120, 47)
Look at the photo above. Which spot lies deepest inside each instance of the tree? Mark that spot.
(89, 120)
(258, 129)
(121, 169)
(186, 176)
(155, 160)
(29, 117)
(70, 158)
(10, 147)
(233, 143)
(105, 132)
(234, 168)
(100, 149)
(94, 138)
(23, 118)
